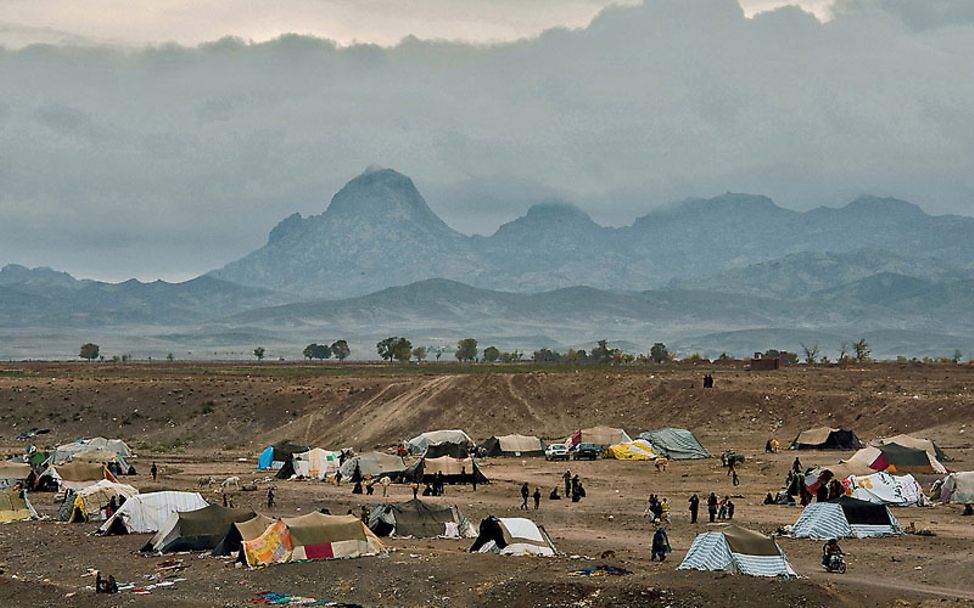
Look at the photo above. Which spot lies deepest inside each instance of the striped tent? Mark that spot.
(512, 536)
(639, 449)
(739, 551)
(845, 517)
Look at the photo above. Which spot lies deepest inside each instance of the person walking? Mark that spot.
(735, 480)
(525, 493)
(694, 508)
(154, 470)
(537, 498)
(730, 509)
(661, 544)
(712, 507)
(270, 498)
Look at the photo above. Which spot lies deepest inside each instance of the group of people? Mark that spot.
(573, 486)
(658, 508)
(435, 487)
(716, 509)
(114, 504)
(526, 493)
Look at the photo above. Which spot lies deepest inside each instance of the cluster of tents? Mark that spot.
(671, 443)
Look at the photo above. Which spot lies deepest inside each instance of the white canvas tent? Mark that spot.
(88, 503)
(512, 536)
(418, 444)
(739, 551)
(316, 464)
(957, 488)
(147, 513)
(885, 489)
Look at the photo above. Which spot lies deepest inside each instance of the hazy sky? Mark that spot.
(120, 160)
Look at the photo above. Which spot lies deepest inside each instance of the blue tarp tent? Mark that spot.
(265, 459)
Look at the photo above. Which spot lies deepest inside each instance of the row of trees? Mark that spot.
(338, 349)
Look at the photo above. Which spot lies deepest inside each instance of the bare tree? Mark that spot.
(811, 353)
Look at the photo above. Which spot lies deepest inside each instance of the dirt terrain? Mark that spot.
(199, 420)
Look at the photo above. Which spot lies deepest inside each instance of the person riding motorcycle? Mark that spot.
(829, 549)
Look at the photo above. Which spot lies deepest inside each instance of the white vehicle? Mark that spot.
(556, 451)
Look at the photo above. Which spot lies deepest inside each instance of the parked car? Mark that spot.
(556, 451)
(587, 451)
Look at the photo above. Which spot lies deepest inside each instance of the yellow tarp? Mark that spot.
(639, 449)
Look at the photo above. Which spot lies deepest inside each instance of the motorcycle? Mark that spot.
(835, 563)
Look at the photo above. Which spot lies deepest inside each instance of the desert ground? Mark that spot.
(198, 420)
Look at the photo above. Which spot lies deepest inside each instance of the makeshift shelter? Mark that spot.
(639, 449)
(420, 519)
(886, 489)
(454, 470)
(676, 444)
(909, 441)
(739, 551)
(67, 452)
(88, 503)
(311, 536)
(957, 488)
(276, 456)
(418, 444)
(845, 517)
(897, 459)
(74, 476)
(602, 436)
(447, 448)
(825, 438)
(241, 531)
(13, 473)
(373, 464)
(15, 506)
(196, 530)
(513, 445)
(147, 513)
(316, 464)
(512, 536)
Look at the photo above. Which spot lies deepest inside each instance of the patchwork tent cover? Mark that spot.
(884, 488)
(909, 441)
(826, 438)
(87, 503)
(454, 470)
(196, 530)
(845, 517)
(76, 475)
(311, 536)
(274, 456)
(599, 435)
(676, 444)
(420, 519)
(512, 536)
(958, 488)
(373, 464)
(241, 531)
(148, 513)
(13, 507)
(513, 445)
(639, 449)
(737, 550)
(897, 459)
(418, 444)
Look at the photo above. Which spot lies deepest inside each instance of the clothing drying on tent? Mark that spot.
(420, 519)
(88, 503)
(454, 470)
(739, 551)
(602, 436)
(418, 444)
(513, 445)
(897, 459)
(373, 464)
(275, 456)
(886, 489)
(14, 507)
(311, 536)
(512, 536)
(825, 438)
(845, 517)
(13, 473)
(148, 513)
(639, 449)
(196, 530)
(74, 475)
(240, 531)
(957, 488)
(909, 441)
(676, 444)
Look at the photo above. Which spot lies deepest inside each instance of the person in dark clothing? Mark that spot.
(226, 501)
(537, 498)
(357, 488)
(554, 494)
(440, 483)
(365, 515)
(112, 507)
(822, 494)
(769, 499)
(525, 493)
(473, 480)
(735, 480)
(429, 491)
(270, 498)
(968, 509)
(694, 508)
(154, 470)
(828, 550)
(568, 482)
(797, 466)
(661, 545)
(730, 508)
(712, 507)
(463, 475)
(338, 478)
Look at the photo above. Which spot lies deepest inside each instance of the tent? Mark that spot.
(373, 464)
(602, 436)
(13, 473)
(196, 530)
(639, 449)
(739, 551)
(825, 438)
(420, 519)
(239, 531)
(676, 444)
(275, 456)
(316, 464)
(88, 503)
(896, 458)
(845, 517)
(74, 475)
(957, 488)
(67, 452)
(454, 470)
(15, 507)
(447, 448)
(418, 444)
(147, 513)
(884, 488)
(512, 536)
(311, 536)
(909, 441)
(513, 445)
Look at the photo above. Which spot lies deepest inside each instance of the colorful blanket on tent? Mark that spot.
(271, 547)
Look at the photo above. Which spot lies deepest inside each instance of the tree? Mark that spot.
(321, 352)
(402, 350)
(659, 353)
(89, 351)
(546, 355)
(341, 350)
(843, 352)
(957, 356)
(309, 351)
(811, 353)
(603, 354)
(259, 353)
(491, 354)
(862, 349)
(170, 357)
(419, 353)
(386, 348)
(466, 350)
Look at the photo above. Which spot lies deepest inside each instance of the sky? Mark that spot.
(139, 141)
